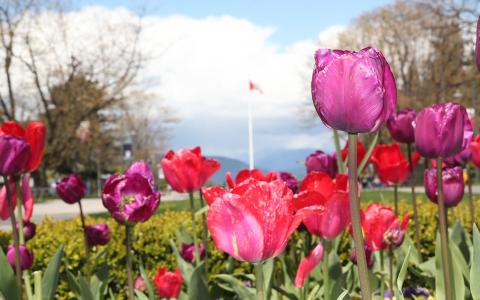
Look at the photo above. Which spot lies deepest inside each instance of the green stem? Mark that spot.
(355, 214)
(306, 252)
(390, 269)
(21, 235)
(338, 151)
(129, 260)
(443, 233)
(470, 199)
(414, 197)
(382, 267)
(37, 281)
(85, 240)
(395, 198)
(194, 229)
(259, 281)
(16, 242)
(326, 275)
(204, 233)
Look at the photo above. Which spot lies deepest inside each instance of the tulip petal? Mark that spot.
(212, 193)
(229, 180)
(318, 181)
(308, 264)
(4, 211)
(27, 198)
(141, 168)
(35, 134)
(13, 128)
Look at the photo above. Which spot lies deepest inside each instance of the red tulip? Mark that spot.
(253, 221)
(169, 284)
(187, 170)
(34, 134)
(27, 199)
(361, 152)
(245, 174)
(308, 264)
(391, 165)
(378, 221)
(475, 147)
(318, 189)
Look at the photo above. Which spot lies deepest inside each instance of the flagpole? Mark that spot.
(250, 135)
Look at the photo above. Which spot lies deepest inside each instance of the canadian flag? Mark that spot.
(253, 86)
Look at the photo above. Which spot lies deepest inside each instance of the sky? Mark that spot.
(203, 53)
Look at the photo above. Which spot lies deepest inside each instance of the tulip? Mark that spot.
(475, 149)
(245, 174)
(308, 264)
(453, 185)
(252, 222)
(318, 189)
(140, 284)
(29, 230)
(394, 237)
(26, 257)
(169, 284)
(462, 158)
(98, 234)
(131, 197)
(368, 255)
(439, 130)
(71, 189)
(391, 165)
(289, 179)
(353, 91)
(377, 220)
(34, 134)
(27, 199)
(14, 154)
(361, 152)
(477, 45)
(400, 125)
(322, 162)
(188, 252)
(187, 170)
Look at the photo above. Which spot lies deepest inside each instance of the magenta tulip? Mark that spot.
(71, 189)
(188, 252)
(400, 125)
(368, 254)
(439, 130)
(353, 92)
(131, 197)
(289, 179)
(321, 162)
(453, 185)
(26, 257)
(29, 230)
(98, 235)
(14, 154)
(462, 158)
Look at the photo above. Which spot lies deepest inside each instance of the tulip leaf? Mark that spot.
(73, 283)
(365, 159)
(459, 261)
(342, 295)
(148, 282)
(439, 282)
(8, 285)
(237, 286)
(198, 286)
(475, 268)
(201, 211)
(85, 292)
(140, 295)
(459, 237)
(51, 275)
(402, 274)
(458, 284)
(185, 268)
(336, 275)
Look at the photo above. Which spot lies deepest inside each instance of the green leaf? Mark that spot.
(342, 295)
(73, 283)
(85, 292)
(475, 268)
(366, 158)
(8, 284)
(439, 282)
(50, 278)
(402, 274)
(336, 275)
(267, 275)
(140, 295)
(237, 286)
(185, 268)
(458, 236)
(148, 282)
(201, 211)
(459, 261)
(198, 287)
(458, 284)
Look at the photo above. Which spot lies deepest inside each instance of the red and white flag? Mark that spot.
(253, 86)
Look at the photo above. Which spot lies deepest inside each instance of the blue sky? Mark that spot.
(294, 20)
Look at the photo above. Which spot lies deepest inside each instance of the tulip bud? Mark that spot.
(368, 255)
(26, 257)
(400, 125)
(14, 152)
(29, 230)
(98, 234)
(71, 189)
(188, 252)
(353, 91)
(322, 162)
(453, 185)
(439, 130)
(140, 284)
(394, 237)
(290, 180)
(169, 284)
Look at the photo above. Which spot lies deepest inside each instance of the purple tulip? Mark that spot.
(140, 284)
(290, 180)
(368, 255)
(394, 237)
(26, 257)
(400, 125)
(462, 158)
(98, 234)
(439, 130)
(477, 45)
(71, 189)
(322, 162)
(188, 252)
(29, 230)
(353, 91)
(453, 185)
(131, 197)
(14, 154)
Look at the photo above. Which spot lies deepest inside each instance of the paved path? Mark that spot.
(59, 210)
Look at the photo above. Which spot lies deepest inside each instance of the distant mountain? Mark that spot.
(228, 165)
